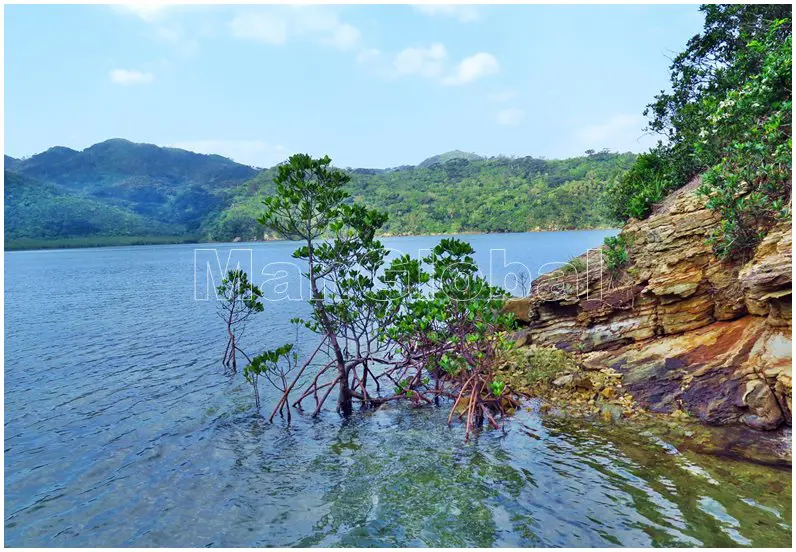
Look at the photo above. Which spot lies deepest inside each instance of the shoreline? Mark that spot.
(29, 244)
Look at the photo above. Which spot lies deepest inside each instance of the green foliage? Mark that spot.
(750, 133)
(148, 190)
(456, 304)
(237, 291)
(460, 195)
(417, 325)
(449, 156)
(646, 183)
(96, 241)
(267, 362)
(40, 211)
(728, 116)
(576, 265)
(713, 63)
(497, 387)
(615, 253)
(240, 300)
(208, 197)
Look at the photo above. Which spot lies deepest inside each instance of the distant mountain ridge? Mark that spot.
(179, 195)
(449, 156)
(170, 187)
(101, 162)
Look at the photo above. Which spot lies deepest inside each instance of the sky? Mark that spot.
(371, 86)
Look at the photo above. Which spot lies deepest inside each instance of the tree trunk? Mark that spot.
(344, 403)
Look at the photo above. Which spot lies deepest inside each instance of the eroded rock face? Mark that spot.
(687, 331)
(520, 307)
(723, 373)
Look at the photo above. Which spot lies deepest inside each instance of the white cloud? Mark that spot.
(175, 35)
(261, 27)
(433, 62)
(250, 152)
(502, 97)
(423, 62)
(472, 68)
(130, 76)
(368, 54)
(276, 26)
(463, 13)
(343, 37)
(163, 25)
(510, 117)
(622, 132)
(148, 12)
(325, 25)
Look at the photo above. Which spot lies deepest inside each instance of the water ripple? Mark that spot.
(121, 431)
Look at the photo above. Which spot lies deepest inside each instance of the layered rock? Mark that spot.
(688, 331)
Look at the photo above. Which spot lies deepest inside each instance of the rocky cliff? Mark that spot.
(687, 331)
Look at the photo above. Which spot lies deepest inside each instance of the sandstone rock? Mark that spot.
(522, 338)
(687, 331)
(711, 372)
(520, 307)
(608, 393)
(564, 380)
(610, 412)
(767, 279)
(582, 382)
(575, 381)
(764, 411)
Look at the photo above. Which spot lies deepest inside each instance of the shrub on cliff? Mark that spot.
(749, 131)
(728, 116)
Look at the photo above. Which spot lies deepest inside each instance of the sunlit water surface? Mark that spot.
(121, 430)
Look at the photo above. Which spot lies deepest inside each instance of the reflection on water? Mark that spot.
(121, 430)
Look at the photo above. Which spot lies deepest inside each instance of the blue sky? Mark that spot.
(372, 86)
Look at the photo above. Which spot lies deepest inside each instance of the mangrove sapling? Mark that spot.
(389, 332)
(240, 299)
(310, 205)
(276, 365)
(453, 334)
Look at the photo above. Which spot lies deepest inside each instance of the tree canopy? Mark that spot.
(727, 117)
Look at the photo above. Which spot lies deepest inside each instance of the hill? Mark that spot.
(180, 195)
(449, 156)
(483, 195)
(9, 162)
(168, 185)
(37, 212)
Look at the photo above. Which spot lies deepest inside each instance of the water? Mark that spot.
(120, 430)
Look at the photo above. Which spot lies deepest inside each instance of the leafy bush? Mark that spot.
(728, 116)
(646, 183)
(576, 265)
(615, 253)
(431, 335)
(750, 132)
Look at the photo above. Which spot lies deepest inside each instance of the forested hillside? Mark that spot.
(484, 195)
(118, 190)
(171, 186)
(37, 211)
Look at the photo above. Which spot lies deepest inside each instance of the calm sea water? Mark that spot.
(121, 430)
